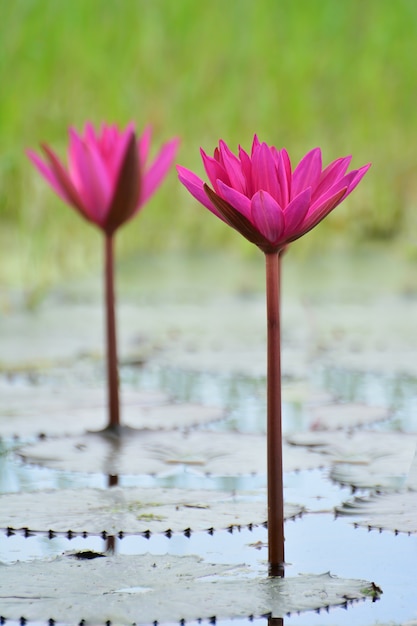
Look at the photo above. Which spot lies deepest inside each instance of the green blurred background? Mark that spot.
(340, 74)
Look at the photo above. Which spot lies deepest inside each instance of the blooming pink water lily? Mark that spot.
(264, 198)
(109, 176)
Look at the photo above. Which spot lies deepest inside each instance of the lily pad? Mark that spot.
(356, 336)
(231, 355)
(344, 416)
(132, 510)
(204, 334)
(146, 589)
(392, 511)
(69, 409)
(146, 452)
(364, 459)
(395, 511)
(62, 331)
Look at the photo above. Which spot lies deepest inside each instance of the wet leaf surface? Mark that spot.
(364, 459)
(396, 512)
(145, 452)
(337, 416)
(55, 407)
(127, 589)
(133, 510)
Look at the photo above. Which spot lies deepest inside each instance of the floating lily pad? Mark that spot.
(62, 331)
(132, 510)
(395, 511)
(364, 459)
(392, 511)
(344, 416)
(146, 589)
(146, 452)
(356, 336)
(206, 334)
(63, 409)
(230, 355)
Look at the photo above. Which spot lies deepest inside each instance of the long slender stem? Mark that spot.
(274, 426)
(112, 370)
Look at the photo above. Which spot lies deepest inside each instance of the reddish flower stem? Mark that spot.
(112, 370)
(274, 427)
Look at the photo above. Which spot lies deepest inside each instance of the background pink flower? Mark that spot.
(109, 176)
(262, 197)
(108, 179)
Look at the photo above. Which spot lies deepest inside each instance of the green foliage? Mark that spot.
(300, 73)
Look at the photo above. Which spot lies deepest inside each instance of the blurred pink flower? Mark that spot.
(109, 177)
(263, 198)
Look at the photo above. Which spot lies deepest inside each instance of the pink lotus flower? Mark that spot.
(263, 198)
(109, 177)
(271, 204)
(107, 181)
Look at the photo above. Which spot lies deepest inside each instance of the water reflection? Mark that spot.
(112, 480)
(111, 540)
(111, 544)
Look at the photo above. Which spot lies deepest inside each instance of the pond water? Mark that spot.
(186, 361)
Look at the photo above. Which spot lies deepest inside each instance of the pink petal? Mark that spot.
(90, 177)
(237, 200)
(333, 172)
(345, 182)
(267, 216)
(255, 144)
(348, 182)
(239, 222)
(195, 186)
(264, 172)
(214, 169)
(90, 135)
(158, 170)
(144, 144)
(360, 173)
(283, 167)
(233, 167)
(246, 166)
(65, 183)
(307, 173)
(113, 148)
(49, 175)
(296, 211)
(317, 213)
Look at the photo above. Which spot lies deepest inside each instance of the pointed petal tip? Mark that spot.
(30, 153)
(173, 145)
(131, 126)
(184, 173)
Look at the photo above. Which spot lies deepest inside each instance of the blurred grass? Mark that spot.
(300, 73)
